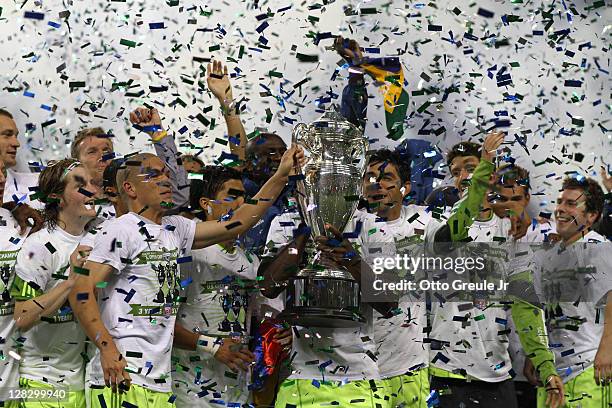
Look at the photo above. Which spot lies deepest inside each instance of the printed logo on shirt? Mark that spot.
(7, 272)
(167, 276)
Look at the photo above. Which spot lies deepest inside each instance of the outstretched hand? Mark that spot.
(219, 83)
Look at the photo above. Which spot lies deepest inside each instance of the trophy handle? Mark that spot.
(360, 149)
(302, 135)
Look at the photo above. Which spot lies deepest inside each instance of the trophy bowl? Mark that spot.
(327, 296)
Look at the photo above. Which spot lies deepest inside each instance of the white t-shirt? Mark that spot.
(330, 354)
(53, 347)
(575, 327)
(535, 233)
(18, 184)
(10, 244)
(137, 305)
(476, 339)
(399, 339)
(221, 297)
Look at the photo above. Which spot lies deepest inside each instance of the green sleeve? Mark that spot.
(22, 290)
(468, 208)
(531, 329)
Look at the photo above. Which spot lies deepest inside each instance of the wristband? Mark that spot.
(208, 344)
(161, 135)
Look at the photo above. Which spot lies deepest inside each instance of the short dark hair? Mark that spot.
(191, 157)
(211, 183)
(109, 177)
(259, 139)
(4, 112)
(592, 191)
(513, 174)
(392, 157)
(463, 149)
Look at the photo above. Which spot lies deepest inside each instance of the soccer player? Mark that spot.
(221, 301)
(134, 263)
(402, 354)
(509, 198)
(11, 239)
(19, 186)
(51, 357)
(469, 354)
(576, 283)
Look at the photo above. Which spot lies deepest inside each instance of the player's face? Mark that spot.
(268, 155)
(382, 186)
(80, 192)
(152, 185)
(91, 151)
(8, 141)
(508, 200)
(230, 197)
(461, 168)
(571, 216)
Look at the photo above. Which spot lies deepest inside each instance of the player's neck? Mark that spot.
(152, 214)
(72, 225)
(577, 236)
(391, 213)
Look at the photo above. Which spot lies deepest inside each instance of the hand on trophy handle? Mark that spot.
(292, 159)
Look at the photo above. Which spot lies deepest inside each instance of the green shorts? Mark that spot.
(76, 399)
(582, 392)
(409, 390)
(137, 395)
(309, 393)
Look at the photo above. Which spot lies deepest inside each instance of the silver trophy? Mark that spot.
(336, 150)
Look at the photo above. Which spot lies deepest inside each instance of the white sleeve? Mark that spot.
(35, 262)
(279, 234)
(112, 245)
(184, 227)
(599, 283)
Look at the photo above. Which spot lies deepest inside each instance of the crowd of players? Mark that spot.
(155, 281)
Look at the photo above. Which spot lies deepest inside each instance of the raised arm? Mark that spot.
(212, 232)
(219, 84)
(468, 208)
(87, 312)
(148, 120)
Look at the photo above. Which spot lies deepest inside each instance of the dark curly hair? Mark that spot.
(402, 164)
(52, 180)
(592, 191)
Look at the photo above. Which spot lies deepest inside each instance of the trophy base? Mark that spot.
(323, 298)
(326, 318)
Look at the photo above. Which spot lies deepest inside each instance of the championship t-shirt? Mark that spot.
(469, 336)
(536, 233)
(399, 339)
(52, 351)
(221, 297)
(10, 242)
(138, 304)
(573, 283)
(329, 354)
